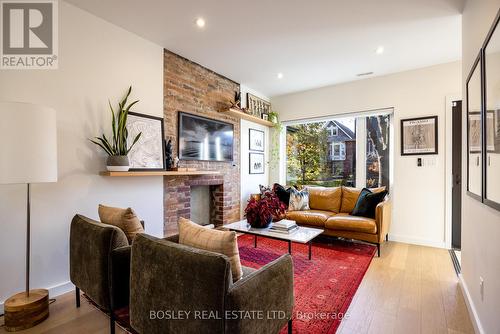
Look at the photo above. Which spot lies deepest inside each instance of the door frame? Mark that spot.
(449, 166)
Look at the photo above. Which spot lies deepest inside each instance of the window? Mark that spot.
(334, 130)
(338, 151)
(324, 152)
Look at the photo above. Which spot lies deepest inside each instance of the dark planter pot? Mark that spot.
(258, 223)
(118, 163)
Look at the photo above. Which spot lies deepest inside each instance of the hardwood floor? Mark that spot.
(410, 289)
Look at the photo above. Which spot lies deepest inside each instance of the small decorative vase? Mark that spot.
(258, 223)
(118, 163)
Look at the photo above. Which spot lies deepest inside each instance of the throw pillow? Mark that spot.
(367, 203)
(264, 189)
(282, 193)
(222, 242)
(125, 219)
(299, 200)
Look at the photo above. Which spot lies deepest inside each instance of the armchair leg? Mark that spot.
(77, 295)
(378, 249)
(290, 326)
(387, 237)
(111, 323)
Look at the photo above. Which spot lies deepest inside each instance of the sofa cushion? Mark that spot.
(222, 242)
(350, 197)
(282, 193)
(367, 203)
(345, 222)
(299, 200)
(323, 198)
(310, 217)
(125, 219)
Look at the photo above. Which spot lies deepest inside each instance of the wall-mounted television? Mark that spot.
(203, 138)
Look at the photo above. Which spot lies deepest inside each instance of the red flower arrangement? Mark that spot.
(260, 213)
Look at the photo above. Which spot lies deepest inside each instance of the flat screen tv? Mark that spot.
(203, 138)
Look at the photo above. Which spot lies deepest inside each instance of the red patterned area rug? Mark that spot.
(324, 286)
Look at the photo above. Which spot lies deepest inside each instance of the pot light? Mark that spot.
(379, 50)
(200, 22)
(279, 75)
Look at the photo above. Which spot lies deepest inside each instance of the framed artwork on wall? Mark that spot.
(256, 140)
(256, 163)
(148, 153)
(475, 131)
(257, 106)
(491, 124)
(419, 136)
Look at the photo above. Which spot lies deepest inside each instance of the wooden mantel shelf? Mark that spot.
(240, 114)
(160, 173)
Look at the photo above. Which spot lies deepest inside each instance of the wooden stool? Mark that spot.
(23, 312)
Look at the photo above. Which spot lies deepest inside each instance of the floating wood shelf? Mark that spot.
(240, 114)
(160, 173)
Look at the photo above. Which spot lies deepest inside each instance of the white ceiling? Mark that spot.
(313, 43)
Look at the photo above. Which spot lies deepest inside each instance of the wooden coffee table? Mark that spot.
(303, 235)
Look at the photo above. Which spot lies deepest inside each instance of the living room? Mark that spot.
(370, 126)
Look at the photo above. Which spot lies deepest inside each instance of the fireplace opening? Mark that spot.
(201, 205)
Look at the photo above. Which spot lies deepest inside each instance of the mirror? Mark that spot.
(474, 152)
(492, 124)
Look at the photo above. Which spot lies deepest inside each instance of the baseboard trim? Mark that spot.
(54, 291)
(416, 241)
(478, 328)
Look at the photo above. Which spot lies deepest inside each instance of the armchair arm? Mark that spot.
(383, 217)
(120, 277)
(268, 291)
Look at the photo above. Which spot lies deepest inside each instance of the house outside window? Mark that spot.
(334, 131)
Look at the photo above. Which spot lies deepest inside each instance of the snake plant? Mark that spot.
(118, 144)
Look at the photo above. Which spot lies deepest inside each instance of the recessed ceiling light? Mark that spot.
(280, 75)
(200, 22)
(364, 74)
(379, 50)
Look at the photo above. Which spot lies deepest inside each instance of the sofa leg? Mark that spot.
(378, 249)
(387, 237)
(290, 326)
(77, 295)
(112, 323)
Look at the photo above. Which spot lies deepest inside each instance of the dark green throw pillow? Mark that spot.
(367, 203)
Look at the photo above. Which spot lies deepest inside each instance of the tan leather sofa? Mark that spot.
(330, 210)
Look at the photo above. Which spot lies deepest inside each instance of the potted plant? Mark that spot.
(117, 148)
(260, 212)
(273, 117)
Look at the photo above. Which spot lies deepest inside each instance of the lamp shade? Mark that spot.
(28, 143)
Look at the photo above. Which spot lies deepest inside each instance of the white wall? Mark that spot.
(250, 182)
(480, 224)
(97, 62)
(418, 192)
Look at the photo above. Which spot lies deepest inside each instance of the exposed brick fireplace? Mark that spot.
(191, 88)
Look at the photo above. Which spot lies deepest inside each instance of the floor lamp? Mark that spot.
(28, 154)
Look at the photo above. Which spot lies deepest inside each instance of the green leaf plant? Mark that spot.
(117, 144)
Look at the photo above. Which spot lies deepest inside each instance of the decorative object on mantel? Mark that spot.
(148, 153)
(169, 160)
(118, 148)
(257, 106)
(237, 100)
(260, 212)
(28, 146)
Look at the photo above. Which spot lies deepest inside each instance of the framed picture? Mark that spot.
(148, 153)
(419, 136)
(475, 131)
(256, 163)
(257, 106)
(256, 140)
(491, 112)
